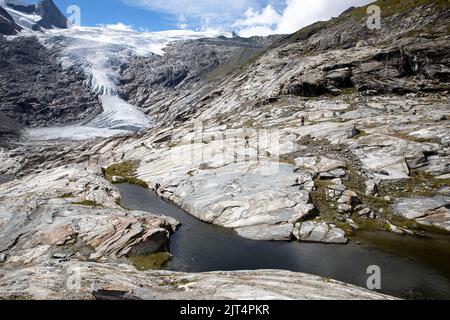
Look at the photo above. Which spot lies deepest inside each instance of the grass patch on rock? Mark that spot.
(88, 203)
(326, 206)
(420, 184)
(360, 133)
(154, 261)
(124, 172)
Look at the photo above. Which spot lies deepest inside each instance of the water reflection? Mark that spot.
(411, 269)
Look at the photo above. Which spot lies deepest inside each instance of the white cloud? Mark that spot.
(249, 17)
(119, 27)
(204, 13)
(268, 16)
(300, 13)
(261, 31)
(258, 23)
(297, 14)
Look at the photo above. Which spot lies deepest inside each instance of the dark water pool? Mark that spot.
(411, 268)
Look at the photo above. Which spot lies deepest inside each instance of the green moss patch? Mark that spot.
(126, 172)
(88, 203)
(420, 184)
(174, 282)
(154, 261)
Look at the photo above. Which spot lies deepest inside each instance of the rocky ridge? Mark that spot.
(34, 89)
(113, 282)
(237, 154)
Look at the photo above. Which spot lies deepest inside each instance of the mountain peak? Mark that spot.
(51, 15)
(43, 15)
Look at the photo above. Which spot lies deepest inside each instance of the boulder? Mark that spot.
(414, 208)
(371, 188)
(314, 231)
(338, 173)
(344, 208)
(281, 232)
(366, 213)
(431, 211)
(327, 165)
(439, 218)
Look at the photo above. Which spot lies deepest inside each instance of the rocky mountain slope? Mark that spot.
(166, 86)
(370, 144)
(7, 24)
(35, 90)
(10, 130)
(408, 54)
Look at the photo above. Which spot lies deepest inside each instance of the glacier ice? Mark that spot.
(98, 53)
(120, 115)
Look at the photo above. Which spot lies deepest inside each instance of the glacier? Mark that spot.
(98, 54)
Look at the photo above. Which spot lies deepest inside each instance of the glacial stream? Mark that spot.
(411, 268)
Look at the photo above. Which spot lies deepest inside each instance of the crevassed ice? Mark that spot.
(99, 53)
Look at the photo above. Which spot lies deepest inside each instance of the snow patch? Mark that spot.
(26, 21)
(77, 133)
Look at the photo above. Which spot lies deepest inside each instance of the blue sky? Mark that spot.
(247, 17)
(96, 12)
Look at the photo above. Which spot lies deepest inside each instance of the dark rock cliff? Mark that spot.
(7, 24)
(35, 91)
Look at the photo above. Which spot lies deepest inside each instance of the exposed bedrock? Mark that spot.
(57, 280)
(306, 137)
(73, 212)
(34, 89)
(64, 237)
